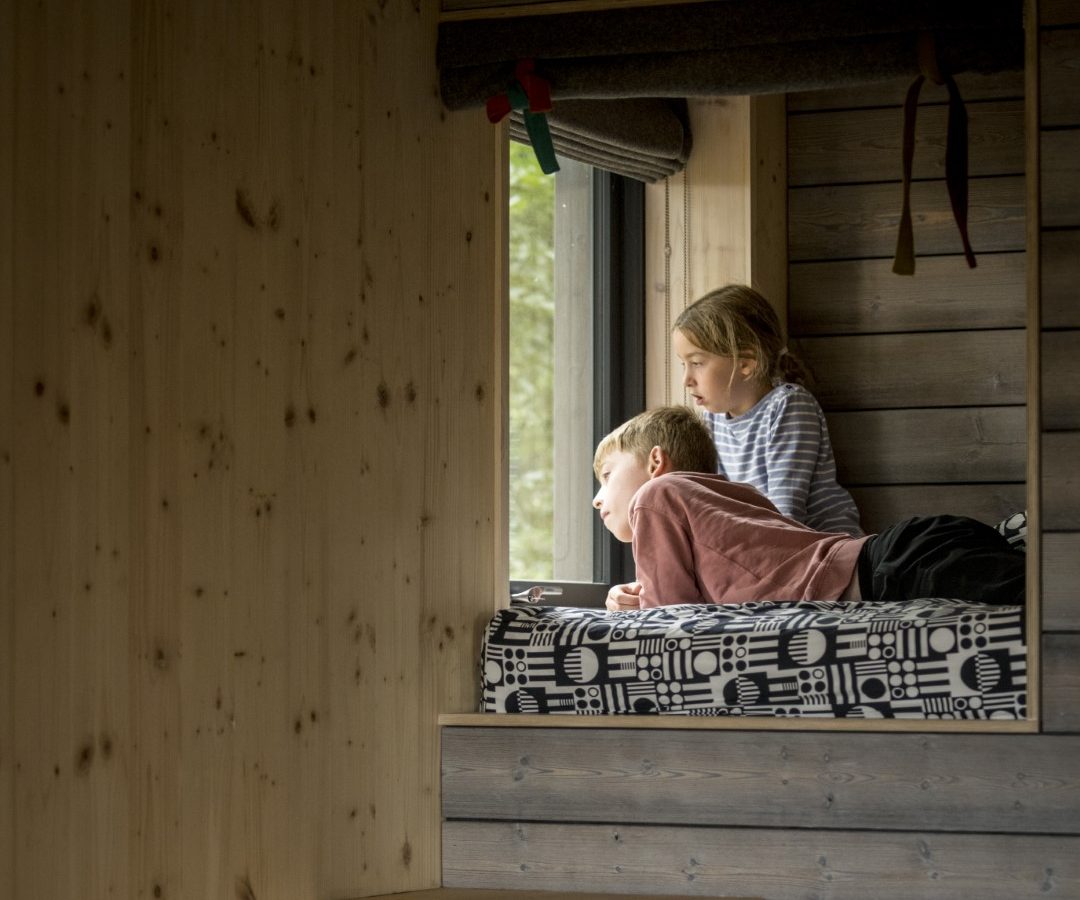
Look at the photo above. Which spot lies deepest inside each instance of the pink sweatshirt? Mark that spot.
(703, 539)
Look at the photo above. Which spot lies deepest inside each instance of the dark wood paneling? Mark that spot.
(945, 782)
(1000, 85)
(864, 295)
(915, 446)
(1060, 178)
(1060, 279)
(880, 507)
(1060, 74)
(858, 221)
(1059, 12)
(1061, 481)
(1061, 682)
(780, 864)
(865, 145)
(888, 371)
(1061, 581)
(1061, 380)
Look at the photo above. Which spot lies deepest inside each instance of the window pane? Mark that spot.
(551, 370)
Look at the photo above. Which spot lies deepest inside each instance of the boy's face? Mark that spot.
(621, 474)
(715, 383)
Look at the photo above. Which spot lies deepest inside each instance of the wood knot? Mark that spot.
(84, 758)
(244, 209)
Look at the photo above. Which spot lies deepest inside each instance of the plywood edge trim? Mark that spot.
(1033, 264)
(553, 7)
(728, 723)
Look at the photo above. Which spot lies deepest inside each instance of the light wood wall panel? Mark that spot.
(732, 197)
(7, 482)
(69, 453)
(865, 295)
(250, 336)
(778, 864)
(874, 371)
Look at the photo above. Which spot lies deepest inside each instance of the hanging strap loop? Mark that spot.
(956, 157)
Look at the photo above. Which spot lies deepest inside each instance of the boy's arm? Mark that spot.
(664, 559)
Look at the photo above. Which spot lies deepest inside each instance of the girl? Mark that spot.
(769, 430)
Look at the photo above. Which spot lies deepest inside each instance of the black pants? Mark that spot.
(951, 557)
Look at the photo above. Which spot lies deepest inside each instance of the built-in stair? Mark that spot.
(785, 815)
(473, 894)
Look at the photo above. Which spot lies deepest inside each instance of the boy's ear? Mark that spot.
(659, 462)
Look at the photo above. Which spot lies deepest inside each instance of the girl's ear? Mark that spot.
(659, 462)
(748, 366)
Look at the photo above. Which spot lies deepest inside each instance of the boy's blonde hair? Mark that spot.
(735, 321)
(677, 430)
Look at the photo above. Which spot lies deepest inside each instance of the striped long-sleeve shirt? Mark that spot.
(781, 446)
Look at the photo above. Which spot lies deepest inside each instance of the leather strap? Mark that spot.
(956, 158)
(904, 258)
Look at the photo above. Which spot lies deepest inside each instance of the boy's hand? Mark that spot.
(624, 596)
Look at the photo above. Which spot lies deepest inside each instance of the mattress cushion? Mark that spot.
(923, 659)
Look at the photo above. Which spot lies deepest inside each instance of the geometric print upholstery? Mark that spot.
(919, 659)
(1014, 529)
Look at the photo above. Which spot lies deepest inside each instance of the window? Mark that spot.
(576, 366)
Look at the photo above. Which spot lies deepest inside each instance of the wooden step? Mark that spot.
(471, 894)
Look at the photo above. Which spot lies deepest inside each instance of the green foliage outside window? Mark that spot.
(532, 321)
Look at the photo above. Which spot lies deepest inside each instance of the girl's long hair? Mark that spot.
(735, 321)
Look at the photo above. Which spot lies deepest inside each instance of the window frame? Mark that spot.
(618, 362)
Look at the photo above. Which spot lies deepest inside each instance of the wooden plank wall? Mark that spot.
(251, 393)
(925, 382)
(1059, 275)
(780, 815)
(922, 377)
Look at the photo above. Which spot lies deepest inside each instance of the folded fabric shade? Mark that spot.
(646, 139)
(725, 47)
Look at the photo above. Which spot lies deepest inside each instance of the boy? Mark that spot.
(699, 538)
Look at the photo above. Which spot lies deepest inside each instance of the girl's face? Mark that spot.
(718, 384)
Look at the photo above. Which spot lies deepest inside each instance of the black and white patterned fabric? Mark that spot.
(1014, 530)
(923, 659)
